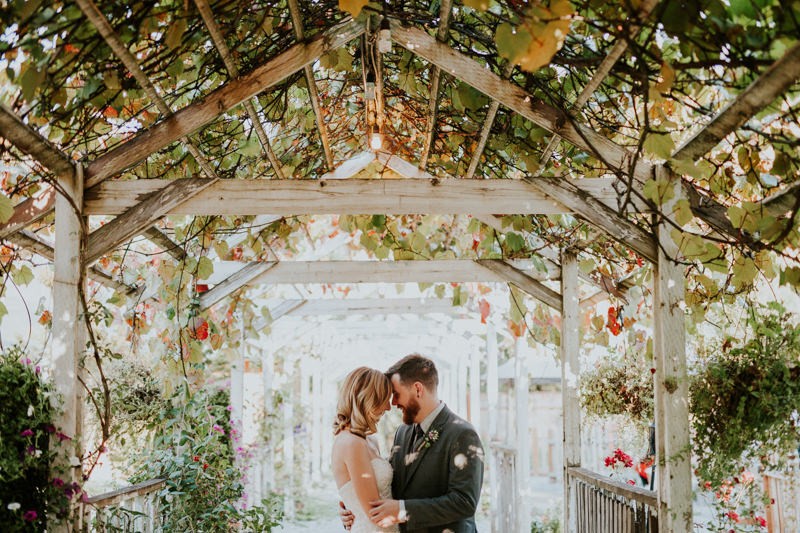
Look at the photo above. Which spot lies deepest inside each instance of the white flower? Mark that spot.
(30, 411)
(14, 506)
(37, 453)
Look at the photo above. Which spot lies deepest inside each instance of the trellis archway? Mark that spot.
(638, 202)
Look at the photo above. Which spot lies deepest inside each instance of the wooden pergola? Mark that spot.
(402, 185)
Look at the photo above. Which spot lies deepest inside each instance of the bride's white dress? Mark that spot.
(347, 493)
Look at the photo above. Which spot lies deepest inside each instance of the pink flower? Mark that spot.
(761, 521)
(733, 516)
(215, 427)
(30, 516)
(26, 433)
(58, 482)
(631, 482)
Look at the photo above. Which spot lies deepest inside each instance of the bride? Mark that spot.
(361, 474)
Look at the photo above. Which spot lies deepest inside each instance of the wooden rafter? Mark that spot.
(776, 80)
(343, 196)
(488, 122)
(525, 282)
(602, 71)
(234, 282)
(436, 79)
(515, 98)
(33, 242)
(142, 215)
(233, 70)
(784, 201)
(30, 142)
(100, 22)
(30, 211)
(156, 236)
(202, 112)
(600, 215)
(311, 83)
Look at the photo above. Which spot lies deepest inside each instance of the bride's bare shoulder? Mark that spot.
(347, 440)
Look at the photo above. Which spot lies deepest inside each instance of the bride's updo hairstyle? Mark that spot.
(364, 392)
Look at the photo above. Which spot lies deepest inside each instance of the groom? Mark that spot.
(437, 458)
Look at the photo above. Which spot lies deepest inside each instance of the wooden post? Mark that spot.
(475, 389)
(522, 396)
(68, 324)
(317, 426)
(570, 373)
(462, 384)
(267, 373)
(288, 440)
(673, 450)
(491, 398)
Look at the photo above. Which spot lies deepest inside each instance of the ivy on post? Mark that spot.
(673, 450)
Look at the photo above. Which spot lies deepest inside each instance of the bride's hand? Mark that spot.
(346, 516)
(385, 513)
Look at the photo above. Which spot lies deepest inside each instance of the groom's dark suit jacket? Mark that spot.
(441, 480)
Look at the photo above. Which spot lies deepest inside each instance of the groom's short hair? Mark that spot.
(415, 367)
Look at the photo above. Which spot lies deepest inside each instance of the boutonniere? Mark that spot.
(429, 438)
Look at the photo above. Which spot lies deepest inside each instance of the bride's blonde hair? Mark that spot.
(363, 393)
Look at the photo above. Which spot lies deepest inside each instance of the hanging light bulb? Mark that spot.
(376, 140)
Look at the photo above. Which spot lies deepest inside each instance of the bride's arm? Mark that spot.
(359, 466)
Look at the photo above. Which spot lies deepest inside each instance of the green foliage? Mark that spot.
(30, 499)
(745, 396)
(195, 450)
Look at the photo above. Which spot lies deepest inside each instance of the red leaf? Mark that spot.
(483, 305)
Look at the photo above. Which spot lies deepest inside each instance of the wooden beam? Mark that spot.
(781, 203)
(142, 215)
(36, 244)
(158, 237)
(249, 105)
(776, 80)
(234, 282)
(456, 271)
(31, 143)
(522, 280)
(517, 99)
(486, 130)
(30, 211)
(436, 79)
(351, 196)
(202, 112)
(570, 377)
(311, 84)
(589, 208)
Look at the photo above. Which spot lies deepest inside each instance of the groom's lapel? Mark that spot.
(415, 456)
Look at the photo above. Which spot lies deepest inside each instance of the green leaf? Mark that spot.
(6, 208)
(512, 42)
(659, 145)
(586, 265)
(23, 275)
(3, 311)
(659, 190)
(251, 147)
(471, 98)
(478, 5)
(515, 241)
(683, 212)
(205, 267)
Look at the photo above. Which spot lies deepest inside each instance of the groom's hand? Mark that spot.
(346, 516)
(385, 512)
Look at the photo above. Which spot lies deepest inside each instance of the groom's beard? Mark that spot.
(410, 411)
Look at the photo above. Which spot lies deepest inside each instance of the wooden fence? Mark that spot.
(603, 505)
(504, 508)
(783, 492)
(127, 510)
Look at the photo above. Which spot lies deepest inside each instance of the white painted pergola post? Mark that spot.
(68, 323)
(237, 385)
(288, 440)
(673, 447)
(305, 404)
(570, 374)
(475, 388)
(522, 444)
(462, 383)
(317, 426)
(267, 373)
(492, 393)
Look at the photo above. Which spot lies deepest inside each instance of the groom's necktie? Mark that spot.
(418, 433)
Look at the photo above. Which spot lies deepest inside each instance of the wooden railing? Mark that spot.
(130, 509)
(783, 492)
(603, 505)
(504, 512)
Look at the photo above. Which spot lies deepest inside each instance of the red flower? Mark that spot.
(196, 458)
(631, 482)
(205, 466)
(761, 521)
(30, 516)
(733, 516)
